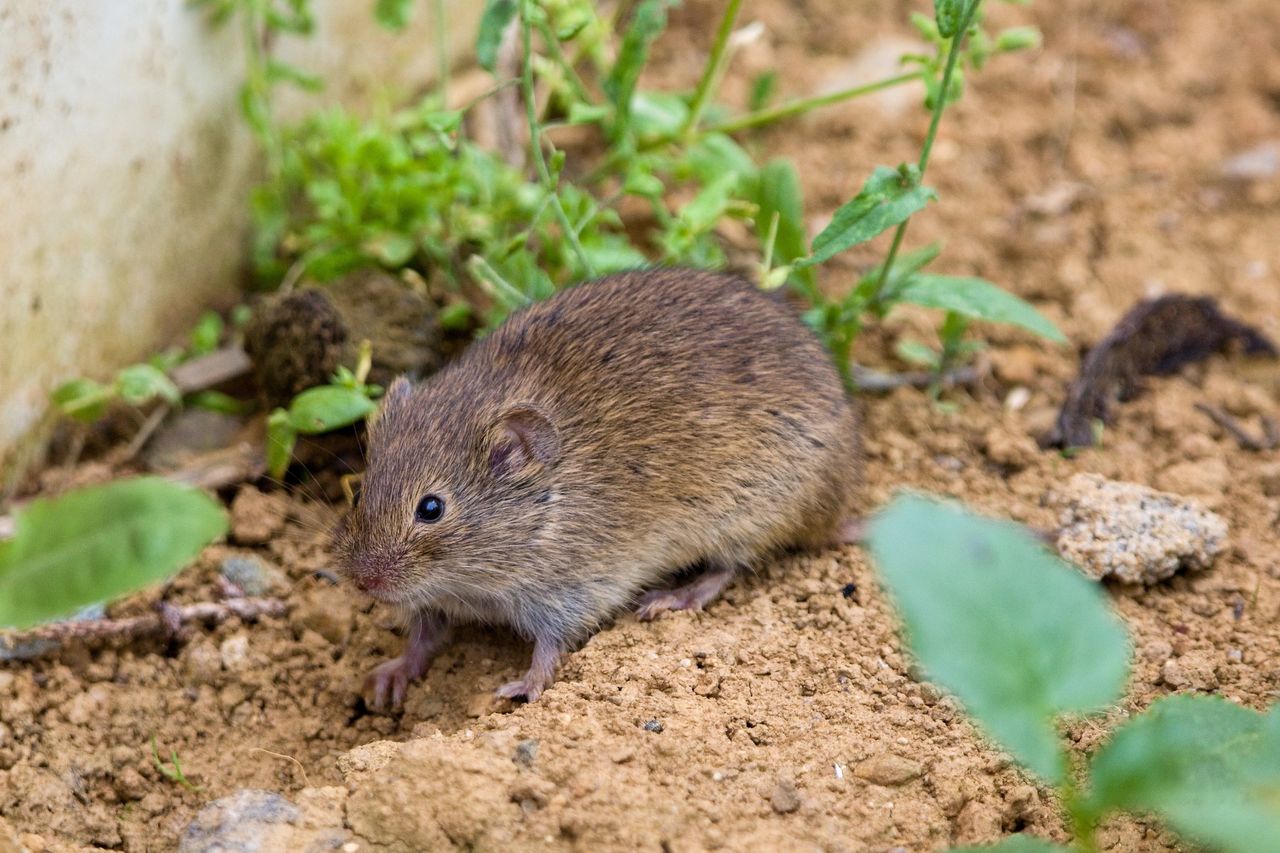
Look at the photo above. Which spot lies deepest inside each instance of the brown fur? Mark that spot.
(598, 443)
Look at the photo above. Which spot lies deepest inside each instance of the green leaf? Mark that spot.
(281, 438)
(1016, 844)
(972, 297)
(1017, 634)
(83, 399)
(392, 250)
(98, 543)
(1209, 767)
(498, 14)
(658, 115)
(775, 189)
(283, 72)
(888, 198)
(647, 23)
(1017, 38)
(216, 401)
(914, 352)
(393, 14)
(207, 333)
(328, 407)
(948, 14)
(580, 113)
(142, 383)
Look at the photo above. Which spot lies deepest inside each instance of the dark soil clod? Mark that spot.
(1156, 338)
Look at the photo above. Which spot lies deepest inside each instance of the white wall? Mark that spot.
(125, 167)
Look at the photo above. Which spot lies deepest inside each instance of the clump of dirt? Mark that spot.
(1086, 177)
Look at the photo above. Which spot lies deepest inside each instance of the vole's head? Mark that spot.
(457, 488)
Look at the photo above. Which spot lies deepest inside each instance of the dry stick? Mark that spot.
(866, 379)
(1271, 433)
(301, 769)
(208, 370)
(168, 619)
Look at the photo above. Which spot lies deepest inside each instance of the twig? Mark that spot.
(143, 435)
(167, 620)
(208, 370)
(507, 101)
(297, 763)
(874, 380)
(1270, 430)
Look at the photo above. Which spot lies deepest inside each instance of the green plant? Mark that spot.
(345, 401)
(1023, 640)
(140, 384)
(173, 770)
(99, 543)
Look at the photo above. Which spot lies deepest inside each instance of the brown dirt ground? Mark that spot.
(1084, 176)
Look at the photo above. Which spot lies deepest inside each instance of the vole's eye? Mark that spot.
(430, 509)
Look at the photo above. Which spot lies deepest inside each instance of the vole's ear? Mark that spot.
(396, 395)
(524, 436)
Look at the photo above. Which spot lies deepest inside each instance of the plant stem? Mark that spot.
(804, 105)
(557, 56)
(953, 55)
(535, 138)
(711, 73)
(1083, 822)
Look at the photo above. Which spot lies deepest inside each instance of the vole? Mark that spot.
(591, 448)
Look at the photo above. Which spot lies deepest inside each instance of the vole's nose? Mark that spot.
(370, 581)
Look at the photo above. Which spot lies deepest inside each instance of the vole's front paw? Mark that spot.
(391, 680)
(530, 687)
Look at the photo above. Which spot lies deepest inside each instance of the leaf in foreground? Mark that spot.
(973, 297)
(888, 198)
(99, 543)
(1017, 634)
(1209, 767)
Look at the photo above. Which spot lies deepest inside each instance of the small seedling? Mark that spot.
(172, 770)
(1023, 640)
(345, 401)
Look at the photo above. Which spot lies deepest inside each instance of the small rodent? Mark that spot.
(592, 447)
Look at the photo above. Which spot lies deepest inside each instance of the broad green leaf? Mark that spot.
(972, 297)
(493, 23)
(888, 198)
(328, 407)
(281, 439)
(1017, 634)
(775, 189)
(1016, 844)
(98, 543)
(393, 14)
(83, 399)
(142, 383)
(1208, 767)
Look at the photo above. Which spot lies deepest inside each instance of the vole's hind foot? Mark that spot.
(390, 680)
(692, 596)
(542, 672)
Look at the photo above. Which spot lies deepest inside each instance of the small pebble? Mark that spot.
(653, 726)
(785, 798)
(1132, 533)
(888, 769)
(526, 752)
(252, 575)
